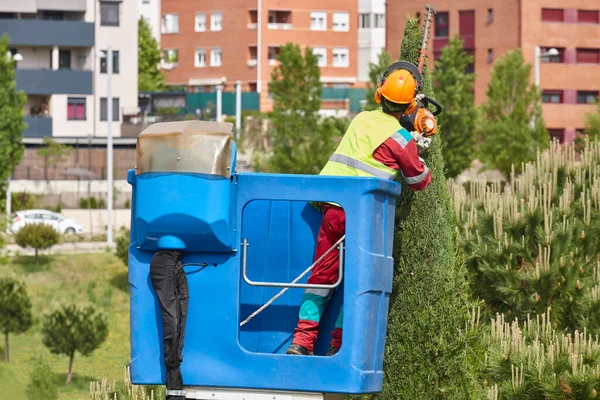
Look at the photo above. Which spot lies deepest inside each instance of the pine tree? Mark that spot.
(425, 356)
(150, 77)
(11, 114)
(512, 128)
(454, 91)
(301, 142)
(375, 72)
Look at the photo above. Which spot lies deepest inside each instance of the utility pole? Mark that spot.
(238, 108)
(109, 148)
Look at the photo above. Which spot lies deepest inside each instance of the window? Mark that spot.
(466, 24)
(587, 97)
(364, 21)
(170, 55)
(200, 58)
(588, 16)
(340, 57)
(321, 53)
(379, 21)
(340, 21)
(104, 66)
(272, 53)
(170, 23)
(215, 57)
(552, 96)
(470, 69)
(557, 134)
(104, 110)
(490, 15)
(437, 55)
(76, 109)
(441, 24)
(109, 13)
(588, 56)
(318, 21)
(560, 57)
(490, 58)
(53, 15)
(216, 21)
(553, 14)
(145, 1)
(200, 22)
(64, 59)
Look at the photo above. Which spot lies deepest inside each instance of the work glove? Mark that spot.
(421, 141)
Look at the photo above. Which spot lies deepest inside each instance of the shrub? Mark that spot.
(125, 390)
(37, 236)
(122, 246)
(41, 383)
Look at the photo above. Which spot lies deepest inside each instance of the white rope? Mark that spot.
(278, 295)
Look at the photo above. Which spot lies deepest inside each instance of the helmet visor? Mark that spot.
(389, 106)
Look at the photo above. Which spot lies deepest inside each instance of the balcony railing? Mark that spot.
(47, 81)
(279, 26)
(37, 126)
(38, 32)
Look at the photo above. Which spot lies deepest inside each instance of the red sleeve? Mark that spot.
(406, 159)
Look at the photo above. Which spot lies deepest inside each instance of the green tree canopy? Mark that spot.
(512, 128)
(376, 70)
(71, 328)
(38, 237)
(592, 123)
(425, 356)
(15, 310)
(150, 77)
(11, 113)
(454, 91)
(301, 141)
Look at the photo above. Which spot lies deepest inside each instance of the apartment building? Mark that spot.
(371, 34)
(60, 48)
(150, 11)
(211, 43)
(490, 28)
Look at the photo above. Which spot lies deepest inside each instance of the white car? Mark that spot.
(57, 221)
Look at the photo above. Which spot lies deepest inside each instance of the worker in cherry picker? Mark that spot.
(374, 145)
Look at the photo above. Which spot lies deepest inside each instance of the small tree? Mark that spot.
(122, 248)
(72, 328)
(592, 123)
(150, 77)
(454, 91)
(41, 383)
(375, 72)
(513, 127)
(53, 153)
(38, 237)
(300, 142)
(11, 114)
(15, 310)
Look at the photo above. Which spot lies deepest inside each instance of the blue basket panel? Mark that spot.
(282, 237)
(194, 211)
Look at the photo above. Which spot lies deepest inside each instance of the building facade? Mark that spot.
(206, 44)
(490, 28)
(371, 34)
(150, 11)
(61, 47)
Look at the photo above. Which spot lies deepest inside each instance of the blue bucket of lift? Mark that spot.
(208, 210)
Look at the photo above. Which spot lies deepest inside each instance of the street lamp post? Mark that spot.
(109, 145)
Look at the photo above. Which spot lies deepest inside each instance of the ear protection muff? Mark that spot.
(410, 67)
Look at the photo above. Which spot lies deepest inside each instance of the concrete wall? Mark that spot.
(96, 219)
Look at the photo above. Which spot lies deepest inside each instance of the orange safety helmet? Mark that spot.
(400, 85)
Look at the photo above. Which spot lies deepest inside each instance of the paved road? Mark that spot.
(64, 248)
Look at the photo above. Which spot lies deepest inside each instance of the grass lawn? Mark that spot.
(99, 278)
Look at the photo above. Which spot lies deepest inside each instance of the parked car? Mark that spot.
(57, 221)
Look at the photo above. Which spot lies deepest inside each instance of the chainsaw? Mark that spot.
(421, 122)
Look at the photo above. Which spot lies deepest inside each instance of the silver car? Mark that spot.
(57, 221)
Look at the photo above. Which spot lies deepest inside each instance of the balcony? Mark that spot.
(37, 126)
(278, 26)
(280, 20)
(37, 32)
(62, 5)
(47, 81)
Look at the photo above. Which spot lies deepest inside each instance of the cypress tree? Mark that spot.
(425, 355)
